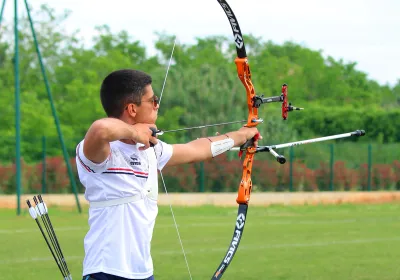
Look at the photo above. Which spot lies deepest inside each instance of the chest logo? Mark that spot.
(134, 161)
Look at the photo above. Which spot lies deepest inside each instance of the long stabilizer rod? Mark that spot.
(326, 138)
(281, 159)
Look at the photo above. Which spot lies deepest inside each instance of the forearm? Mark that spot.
(104, 131)
(200, 149)
(205, 143)
(111, 129)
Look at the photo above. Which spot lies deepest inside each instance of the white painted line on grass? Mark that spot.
(44, 259)
(35, 229)
(284, 245)
(216, 224)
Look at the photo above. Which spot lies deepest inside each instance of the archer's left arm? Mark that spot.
(201, 149)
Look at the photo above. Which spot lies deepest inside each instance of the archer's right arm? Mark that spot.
(104, 131)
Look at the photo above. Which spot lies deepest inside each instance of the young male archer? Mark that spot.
(119, 172)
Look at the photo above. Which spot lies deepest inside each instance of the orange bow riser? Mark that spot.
(244, 74)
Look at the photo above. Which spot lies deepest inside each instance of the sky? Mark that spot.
(362, 31)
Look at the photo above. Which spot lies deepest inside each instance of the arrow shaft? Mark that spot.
(161, 132)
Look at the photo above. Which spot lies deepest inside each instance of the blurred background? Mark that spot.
(340, 62)
(80, 44)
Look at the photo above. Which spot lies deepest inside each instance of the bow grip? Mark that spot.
(249, 143)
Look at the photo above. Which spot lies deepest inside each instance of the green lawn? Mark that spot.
(297, 242)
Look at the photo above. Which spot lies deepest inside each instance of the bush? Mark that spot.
(220, 175)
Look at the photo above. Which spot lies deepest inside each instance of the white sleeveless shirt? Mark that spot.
(118, 241)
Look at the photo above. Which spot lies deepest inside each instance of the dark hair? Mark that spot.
(121, 87)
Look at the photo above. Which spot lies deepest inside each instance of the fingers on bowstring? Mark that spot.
(146, 146)
(153, 131)
(153, 138)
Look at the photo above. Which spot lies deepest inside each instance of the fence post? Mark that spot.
(44, 168)
(369, 166)
(201, 178)
(17, 81)
(2, 10)
(331, 167)
(291, 169)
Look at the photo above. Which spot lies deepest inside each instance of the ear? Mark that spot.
(131, 109)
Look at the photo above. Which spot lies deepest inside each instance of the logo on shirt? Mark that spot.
(134, 161)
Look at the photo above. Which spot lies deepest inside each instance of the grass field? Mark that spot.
(293, 242)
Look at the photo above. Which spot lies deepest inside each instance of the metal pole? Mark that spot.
(17, 109)
(53, 109)
(331, 168)
(201, 169)
(291, 169)
(369, 167)
(44, 171)
(2, 10)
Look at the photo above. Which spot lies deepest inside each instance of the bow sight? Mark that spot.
(259, 100)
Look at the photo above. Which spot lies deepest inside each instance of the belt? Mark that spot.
(114, 202)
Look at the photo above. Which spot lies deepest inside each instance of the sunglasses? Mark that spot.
(154, 99)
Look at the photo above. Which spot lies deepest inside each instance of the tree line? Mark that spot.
(202, 87)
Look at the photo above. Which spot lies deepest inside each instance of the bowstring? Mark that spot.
(166, 74)
(162, 177)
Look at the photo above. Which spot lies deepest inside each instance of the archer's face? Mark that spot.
(148, 108)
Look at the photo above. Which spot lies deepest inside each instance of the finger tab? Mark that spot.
(153, 131)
